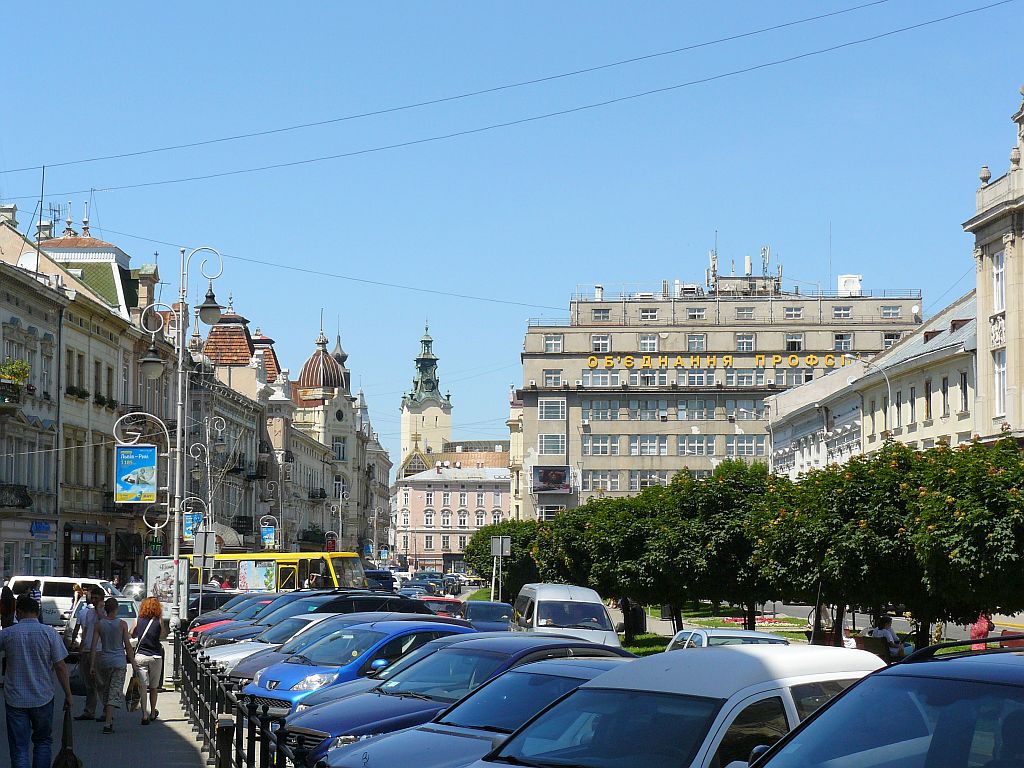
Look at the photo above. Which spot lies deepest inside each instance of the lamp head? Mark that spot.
(151, 364)
(209, 310)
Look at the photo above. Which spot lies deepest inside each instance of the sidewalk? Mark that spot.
(166, 743)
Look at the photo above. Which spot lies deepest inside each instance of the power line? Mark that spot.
(455, 97)
(533, 118)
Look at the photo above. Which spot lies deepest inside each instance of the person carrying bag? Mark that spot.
(150, 655)
(67, 758)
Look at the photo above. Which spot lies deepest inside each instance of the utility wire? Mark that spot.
(456, 97)
(538, 117)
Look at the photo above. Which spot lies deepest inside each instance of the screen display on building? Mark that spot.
(552, 480)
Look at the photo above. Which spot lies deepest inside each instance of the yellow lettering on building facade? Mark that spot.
(714, 361)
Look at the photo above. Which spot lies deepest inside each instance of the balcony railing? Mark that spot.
(14, 496)
(10, 395)
(257, 471)
(317, 493)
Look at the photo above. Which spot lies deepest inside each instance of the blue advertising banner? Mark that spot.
(268, 534)
(135, 481)
(192, 521)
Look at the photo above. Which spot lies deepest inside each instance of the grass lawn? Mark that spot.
(648, 644)
(481, 594)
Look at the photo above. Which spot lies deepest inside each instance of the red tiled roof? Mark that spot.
(74, 243)
(228, 342)
(321, 371)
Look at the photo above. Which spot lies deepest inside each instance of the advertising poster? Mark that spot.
(260, 575)
(551, 480)
(159, 579)
(192, 521)
(135, 479)
(268, 534)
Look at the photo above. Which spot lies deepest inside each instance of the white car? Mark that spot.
(704, 638)
(564, 609)
(227, 656)
(58, 594)
(673, 710)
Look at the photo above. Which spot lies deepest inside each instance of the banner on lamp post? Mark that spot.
(191, 523)
(136, 478)
(268, 535)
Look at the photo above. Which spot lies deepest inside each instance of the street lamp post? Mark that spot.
(881, 370)
(201, 452)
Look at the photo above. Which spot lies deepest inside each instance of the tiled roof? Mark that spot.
(486, 474)
(74, 243)
(97, 275)
(265, 346)
(228, 342)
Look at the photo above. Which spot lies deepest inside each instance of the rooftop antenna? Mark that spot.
(766, 257)
(830, 252)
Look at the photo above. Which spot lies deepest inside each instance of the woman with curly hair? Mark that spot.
(149, 630)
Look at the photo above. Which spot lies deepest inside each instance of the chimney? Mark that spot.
(9, 213)
(598, 293)
(44, 230)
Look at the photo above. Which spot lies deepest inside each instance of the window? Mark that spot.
(885, 412)
(652, 378)
(889, 339)
(744, 410)
(695, 409)
(649, 342)
(496, 497)
(339, 488)
(696, 342)
(649, 313)
(696, 445)
(428, 519)
(999, 282)
(480, 498)
(999, 380)
(463, 540)
(648, 445)
(600, 480)
(744, 313)
(428, 542)
(744, 342)
(600, 378)
(405, 542)
(648, 410)
(552, 342)
(405, 519)
(913, 405)
(647, 478)
(446, 519)
(964, 393)
(744, 445)
(552, 377)
(550, 445)
(600, 445)
(871, 413)
(899, 409)
(495, 517)
(446, 499)
(794, 342)
(600, 410)
(793, 377)
(842, 342)
(793, 313)
(744, 377)
(763, 722)
(405, 497)
(892, 311)
(551, 409)
(463, 499)
(696, 313)
(480, 520)
(697, 377)
(547, 513)
(601, 315)
(842, 313)
(944, 390)
(339, 446)
(928, 400)
(600, 342)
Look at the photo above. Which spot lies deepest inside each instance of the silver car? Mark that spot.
(703, 638)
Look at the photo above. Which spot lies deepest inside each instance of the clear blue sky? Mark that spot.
(883, 140)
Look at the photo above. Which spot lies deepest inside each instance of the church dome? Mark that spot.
(321, 371)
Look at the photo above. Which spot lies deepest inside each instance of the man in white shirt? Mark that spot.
(87, 617)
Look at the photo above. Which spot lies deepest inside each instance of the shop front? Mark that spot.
(27, 547)
(87, 550)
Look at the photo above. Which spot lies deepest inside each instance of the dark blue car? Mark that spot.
(485, 615)
(418, 693)
(479, 722)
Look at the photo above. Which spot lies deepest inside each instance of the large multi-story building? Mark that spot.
(638, 385)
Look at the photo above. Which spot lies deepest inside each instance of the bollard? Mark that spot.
(264, 727)
(221, 756)
(250, 728)
(239, 731)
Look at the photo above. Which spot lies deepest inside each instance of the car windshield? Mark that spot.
(572, 614)
(447, 675)
(283, 631)
(891, 720)
(313, 635)
(509, 701)
(438, 606)
(126, 609)
(341, 648)
(235, 601)
(294, 608)
(251, 610)
(597, 728)
(110, 589)
(487, 611)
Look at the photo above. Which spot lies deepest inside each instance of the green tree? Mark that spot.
(561, 550)
(518, 569)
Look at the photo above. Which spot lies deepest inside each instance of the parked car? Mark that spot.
(422, 691)
(487, 616)
(212, 601)
(345, 655)
(686, 709)
(246, 611)
(127, 609)
(413, 592)
(954, 710)
(273, 637)
(442, 606)
(429, 587)
(381, 579)
(564, 609)
(58, 594)
(230, 609)
(481, 720)
(703, 638)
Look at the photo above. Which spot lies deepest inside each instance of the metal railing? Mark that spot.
(235, 733)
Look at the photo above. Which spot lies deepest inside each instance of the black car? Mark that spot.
(950, 710)
(381, 580)
(236, 605)
(211, 601)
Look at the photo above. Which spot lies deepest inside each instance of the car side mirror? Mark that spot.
(756, 753)
(378, 664)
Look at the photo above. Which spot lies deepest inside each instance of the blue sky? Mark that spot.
(882, 140)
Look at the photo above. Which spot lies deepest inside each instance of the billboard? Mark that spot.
(159, 580)
(268, 535)
(552, 480)
(259, 575)
(135, 480)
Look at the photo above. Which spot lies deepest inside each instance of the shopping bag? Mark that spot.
(67, 758)
(133, 697)
(79, 685)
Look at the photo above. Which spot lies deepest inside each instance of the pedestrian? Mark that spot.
(87, 617)
(111, 651)
(116, 581)
(146, 637)
(980, 629)
(883, 629)
(36, 654)
(35, 591)
(7, 607)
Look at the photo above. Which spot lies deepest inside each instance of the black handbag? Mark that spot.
(67, 758)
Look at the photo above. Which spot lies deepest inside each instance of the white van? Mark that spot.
(58, 594)
(564, 609)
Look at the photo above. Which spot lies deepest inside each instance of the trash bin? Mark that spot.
(666, 612)
(638, 616)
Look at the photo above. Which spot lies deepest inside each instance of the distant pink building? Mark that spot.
(437, 511)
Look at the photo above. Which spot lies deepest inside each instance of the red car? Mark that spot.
(247, 613)
(442, 606)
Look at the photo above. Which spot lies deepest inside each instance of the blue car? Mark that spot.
(479, 722)
(348, 654)
(485, 615)
(418, 693)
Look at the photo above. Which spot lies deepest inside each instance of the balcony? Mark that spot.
(123, 408)
(14, 496)
(10, 395)
(317, 493)
(257, 471)
(265, 448)
(313, 536)
(236, 465)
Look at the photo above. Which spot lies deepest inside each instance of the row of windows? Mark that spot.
(909, 408)
(684, 445)
(446, 498)
(428, 543)
(839, 312)
(446, 519)
(690, 409)
(744, 342)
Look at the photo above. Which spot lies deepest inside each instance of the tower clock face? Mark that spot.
(428, 385)
(339, 415)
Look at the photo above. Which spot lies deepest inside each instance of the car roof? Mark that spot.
(732, 633)
(394, 627)
(996, 666)
(720, 671)
(470, 603)
(436, 598)
(564, 592)
(584, 667)
(514, 642)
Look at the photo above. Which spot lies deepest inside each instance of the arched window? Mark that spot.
(428, 519)
(463, 519)
(480, 519)
(496, 517)
(446, 519)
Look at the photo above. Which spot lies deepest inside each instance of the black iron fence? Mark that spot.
(235, 732)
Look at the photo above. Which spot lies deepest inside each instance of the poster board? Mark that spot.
(136, 476)
(159, 580)
(257, 575)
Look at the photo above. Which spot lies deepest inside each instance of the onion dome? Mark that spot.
(321, 371)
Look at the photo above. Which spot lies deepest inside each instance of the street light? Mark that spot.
(881, 370)
(151, 364)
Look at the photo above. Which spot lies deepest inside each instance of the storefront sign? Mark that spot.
(38, 528)
(714, 361)
(136, 474)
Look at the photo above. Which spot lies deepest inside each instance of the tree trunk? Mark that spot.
(677, 616)
(750, 616)
(626, 606)
(922, 636)
(838, 624)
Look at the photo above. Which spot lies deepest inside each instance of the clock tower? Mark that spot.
(426, 413)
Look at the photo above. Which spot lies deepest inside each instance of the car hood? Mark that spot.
(369, 712)
(599, 636)
(259, 660)
(491, 626)
(435, 746)
(286, 675)
(236, 650)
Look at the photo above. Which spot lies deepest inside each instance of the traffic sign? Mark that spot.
(205, 544)
(332, 545)
(501, 546)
